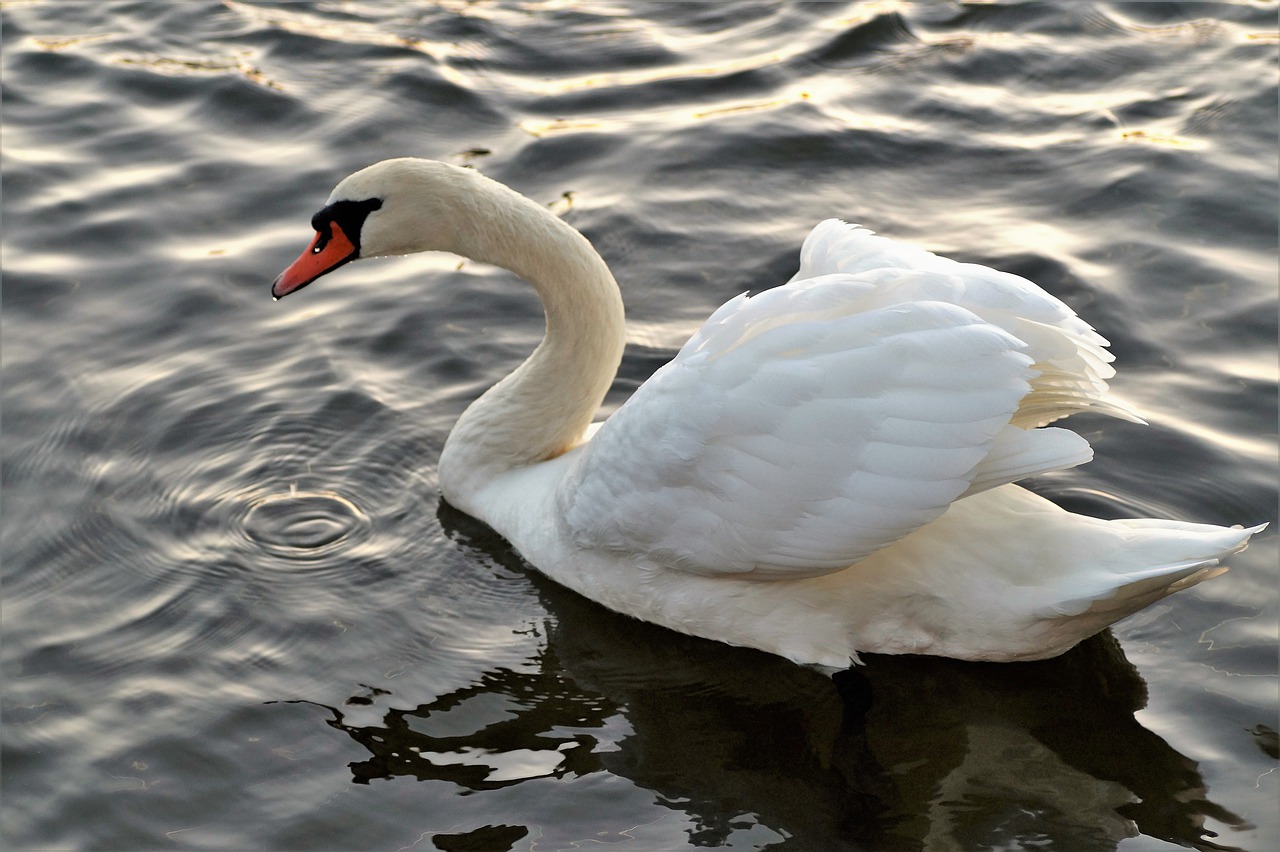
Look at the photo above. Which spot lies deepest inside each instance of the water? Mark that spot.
(236, 614)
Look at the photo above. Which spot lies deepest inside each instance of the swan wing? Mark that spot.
(806, 427)
(1070, 357)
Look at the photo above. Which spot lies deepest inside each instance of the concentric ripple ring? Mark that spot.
(304, 523)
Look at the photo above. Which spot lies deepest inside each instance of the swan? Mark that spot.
(825, 469)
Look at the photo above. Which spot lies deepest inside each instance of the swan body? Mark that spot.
(825, 468)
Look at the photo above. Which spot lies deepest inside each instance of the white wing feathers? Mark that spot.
(806, 427)
(1070, 356)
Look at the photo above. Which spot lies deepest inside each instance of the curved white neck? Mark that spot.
(541, 409)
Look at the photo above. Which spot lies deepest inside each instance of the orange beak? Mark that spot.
(325, 254)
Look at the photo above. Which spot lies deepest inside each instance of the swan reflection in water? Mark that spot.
(903, 753)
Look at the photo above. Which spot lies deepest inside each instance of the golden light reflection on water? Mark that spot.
(295, 18)
(178, 66)
(675, 117)
(1260, 448)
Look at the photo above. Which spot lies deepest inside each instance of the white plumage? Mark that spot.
(802, 448)
(823, 469)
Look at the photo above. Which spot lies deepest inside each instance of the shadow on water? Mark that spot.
(902, 753)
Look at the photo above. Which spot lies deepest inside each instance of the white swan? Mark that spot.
(822, 470)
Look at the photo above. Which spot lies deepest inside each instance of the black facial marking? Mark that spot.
(349, 215)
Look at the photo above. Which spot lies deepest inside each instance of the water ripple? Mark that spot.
(304, 524)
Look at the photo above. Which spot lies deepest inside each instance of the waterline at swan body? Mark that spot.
(825, 468)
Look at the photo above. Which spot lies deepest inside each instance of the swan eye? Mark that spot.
(324, 233)
(347, 215)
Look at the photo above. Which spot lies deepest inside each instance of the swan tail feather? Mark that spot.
(1155, 559)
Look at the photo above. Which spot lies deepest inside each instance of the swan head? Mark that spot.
(392, 207)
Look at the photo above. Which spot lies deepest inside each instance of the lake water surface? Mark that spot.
(236, 613)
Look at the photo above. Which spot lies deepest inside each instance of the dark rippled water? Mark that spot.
(236, 614)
